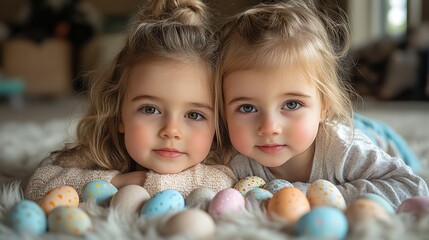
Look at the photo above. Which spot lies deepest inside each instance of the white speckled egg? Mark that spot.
(323, 223)
(27, 216)
(229, 200)
(69, 220)
(59, 196)
(193, 222)
(98, 191)
(130, 198)
(248, 183)
(166, 201)
(274, 185)
(324, 193)
(200, 197)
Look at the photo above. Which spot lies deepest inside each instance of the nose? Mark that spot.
(269, 125)
(171, 129)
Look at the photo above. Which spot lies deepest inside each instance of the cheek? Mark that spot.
(240, 135)
(138, 139)
(304, 133)
(201, 142)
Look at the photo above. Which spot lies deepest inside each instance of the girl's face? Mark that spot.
(167, 115)
(272, 115)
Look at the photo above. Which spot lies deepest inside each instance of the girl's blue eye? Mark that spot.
(246, 108)
(292, 105)
(149, 110)
(195, 116)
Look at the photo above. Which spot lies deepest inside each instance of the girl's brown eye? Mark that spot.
(195, 116)
(149, 110)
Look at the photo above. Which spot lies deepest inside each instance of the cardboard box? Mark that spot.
(45, 68)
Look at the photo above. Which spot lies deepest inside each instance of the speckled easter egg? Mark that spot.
(418, 206)
(380, 200)
(288, 203)
(69, 220)
(274, 185)
(98, 191)
(27, 217)
(229, 200)
(192, 222)
(200, 197)
(324, 193)
(166, 201)
(323, 223)
(59, 196)
(248, 183)
(130, 199)
(364, 209)
(257, 197)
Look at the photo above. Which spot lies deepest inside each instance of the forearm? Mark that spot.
(49, 176)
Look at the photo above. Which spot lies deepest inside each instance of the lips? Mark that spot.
(270, 149)
(168, 153)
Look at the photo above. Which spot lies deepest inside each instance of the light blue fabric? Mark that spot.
(385, 137)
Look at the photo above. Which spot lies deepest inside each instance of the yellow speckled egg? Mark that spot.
(69, 220)
(364, 209)
(324, 193)
(249, 183)
(59, 196)
(288, 203)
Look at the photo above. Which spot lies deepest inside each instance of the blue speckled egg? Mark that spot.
(69, 220)
(163, 202)
(323, 223)
(98, 191)
(274, 185)
(257, 196)
(380, 200)
(27, 216)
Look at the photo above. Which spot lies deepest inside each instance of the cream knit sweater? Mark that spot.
(79, 171)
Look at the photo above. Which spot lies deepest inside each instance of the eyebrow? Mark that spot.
(154, 98)
(291, 94)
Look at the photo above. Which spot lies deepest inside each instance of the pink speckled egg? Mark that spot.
(228, 200)
(418, 206)
(248, 183)
(288, 203)
(59, 196)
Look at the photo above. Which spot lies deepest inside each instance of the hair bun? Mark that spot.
(188, 12)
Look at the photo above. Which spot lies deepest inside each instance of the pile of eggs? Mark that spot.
(321, 211)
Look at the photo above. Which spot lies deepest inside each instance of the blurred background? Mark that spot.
(47, 46)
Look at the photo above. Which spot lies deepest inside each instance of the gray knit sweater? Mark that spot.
(355, 167)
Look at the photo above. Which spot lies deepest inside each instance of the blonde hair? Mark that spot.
(174, 29)
(275, 35)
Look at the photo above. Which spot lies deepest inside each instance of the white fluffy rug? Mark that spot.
(22, 146)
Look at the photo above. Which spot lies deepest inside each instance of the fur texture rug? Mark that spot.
(22, 146)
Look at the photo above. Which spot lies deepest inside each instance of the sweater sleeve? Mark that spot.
(214, 177)
(51, 175)
(361, 167)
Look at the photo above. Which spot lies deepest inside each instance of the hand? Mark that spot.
(131, 178)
